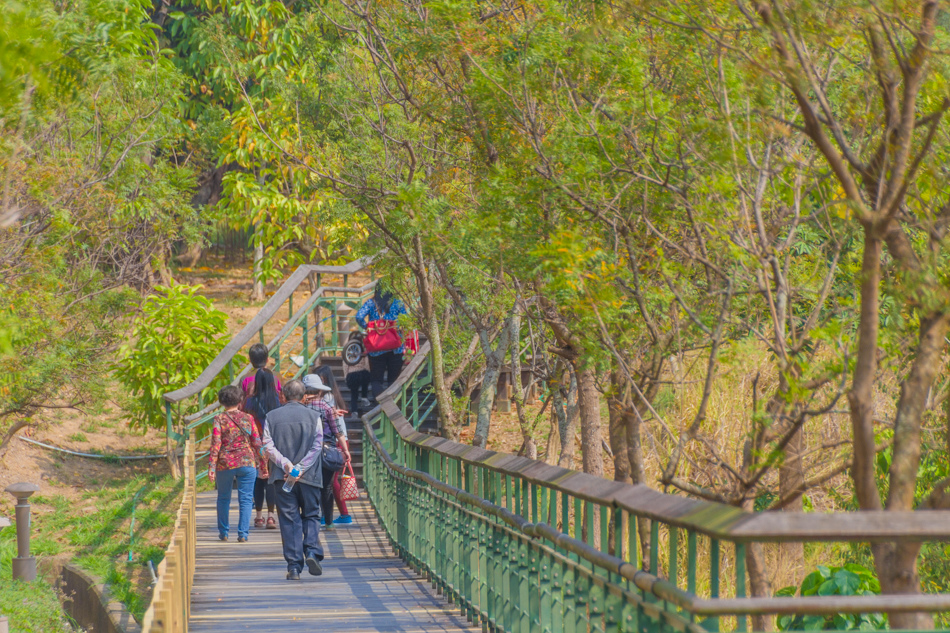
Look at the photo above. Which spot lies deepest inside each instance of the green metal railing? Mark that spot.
(526, 547)
(317, 327)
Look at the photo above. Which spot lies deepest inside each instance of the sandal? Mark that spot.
(259, 522)
(271, 523)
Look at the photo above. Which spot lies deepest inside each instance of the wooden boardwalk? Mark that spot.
(364, 586)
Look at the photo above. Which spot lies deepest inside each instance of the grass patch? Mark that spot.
(32, 607)
(78, 437)
(98, 530)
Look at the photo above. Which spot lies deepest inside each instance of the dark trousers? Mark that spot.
(326, 496)
(298, 513)
(357, 381)
(263, 489)
(387, 364)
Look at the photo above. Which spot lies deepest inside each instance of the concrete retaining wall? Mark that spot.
(87, 600)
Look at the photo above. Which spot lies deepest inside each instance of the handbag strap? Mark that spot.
(247, 436)
(349, 466)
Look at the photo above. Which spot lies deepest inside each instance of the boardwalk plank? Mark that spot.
(364, 586)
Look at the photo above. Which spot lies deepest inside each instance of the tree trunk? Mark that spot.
(191, 255)
(485, 400)
(861, 396)
(530, 449)
(171, 455)
(791, 478)
(591, 438)
(566, 417)
(617, 427)
(10, 434)
(257, 290)
(897, 563)
(448, 424)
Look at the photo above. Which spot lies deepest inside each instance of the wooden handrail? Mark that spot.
(270, 308)
(171, 596)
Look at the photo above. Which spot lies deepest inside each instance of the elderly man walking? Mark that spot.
(293, 438)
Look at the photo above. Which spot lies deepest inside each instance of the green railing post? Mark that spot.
(740, 582)
(334, 323)
(261, 333)
(691, 561)
(654, 546)
(168, 419)
(712, 623)
(231, 370)
(557, 595)
(596, 599)
(674, 551)
(306, 346)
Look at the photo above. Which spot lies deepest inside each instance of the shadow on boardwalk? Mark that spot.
(364, 586)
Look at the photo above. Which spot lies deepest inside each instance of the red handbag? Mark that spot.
(382, 336)
(348, 489)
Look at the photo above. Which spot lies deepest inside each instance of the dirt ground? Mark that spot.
(61, 474)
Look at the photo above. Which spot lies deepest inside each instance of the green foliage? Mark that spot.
(32, 607)
(848, 580)
(176, 336)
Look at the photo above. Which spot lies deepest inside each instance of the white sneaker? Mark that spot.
(363, 403)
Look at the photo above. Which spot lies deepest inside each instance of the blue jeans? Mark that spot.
(245, 476)
(298, 512)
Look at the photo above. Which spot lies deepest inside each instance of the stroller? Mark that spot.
(354, 350)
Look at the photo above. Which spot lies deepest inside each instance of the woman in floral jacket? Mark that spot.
(236, 455)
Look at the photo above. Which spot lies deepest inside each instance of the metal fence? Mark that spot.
(524, 547)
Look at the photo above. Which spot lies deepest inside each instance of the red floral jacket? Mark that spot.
(235, 442)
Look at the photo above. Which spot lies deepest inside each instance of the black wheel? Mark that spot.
(352, 352)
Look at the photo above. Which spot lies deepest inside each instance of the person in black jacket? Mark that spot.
(265, 398)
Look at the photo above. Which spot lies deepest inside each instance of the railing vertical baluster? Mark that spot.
(534, 502)
(516, 501)
(740, 583)
(334, 323)
(306, 347)
(674, 551)
(557, 595)
(596, 598)
(581, 598)
(590, 537)
(545, 609)
(691, 561)
(578, 521)
(543, 504)
(524, 507)
(712, 623)
(484, 544)
(654, 546)
(604, 530)
(524, 589)
(633, 539)
(565, 513)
